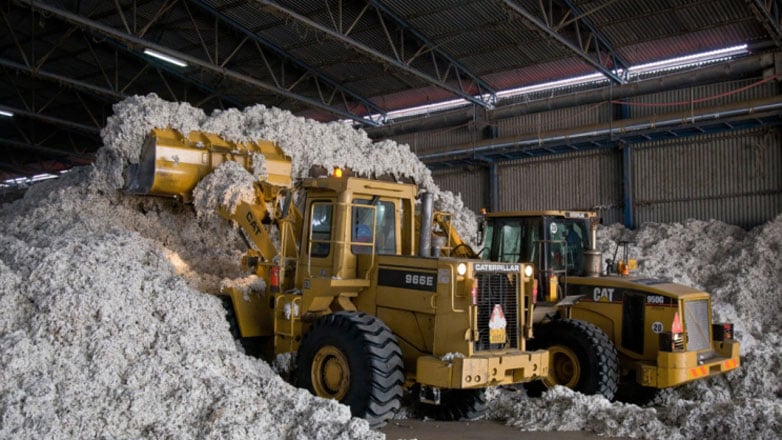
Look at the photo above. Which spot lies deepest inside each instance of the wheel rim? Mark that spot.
(330, 373)
(564, 368)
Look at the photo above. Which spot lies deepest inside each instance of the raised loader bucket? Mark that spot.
(172, 164)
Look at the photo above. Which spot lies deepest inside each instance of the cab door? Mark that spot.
(633, 319)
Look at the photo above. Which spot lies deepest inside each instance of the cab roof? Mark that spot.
(546, 213)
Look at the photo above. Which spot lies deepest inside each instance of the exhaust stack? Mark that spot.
(592, 257)
(425, 233)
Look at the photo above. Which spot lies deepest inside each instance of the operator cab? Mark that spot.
(554, 241)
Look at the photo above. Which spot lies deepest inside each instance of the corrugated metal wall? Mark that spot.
(432, 142)
(580, 180)
(735, 177)
(555, 120)
(472, 184)
(703, 97)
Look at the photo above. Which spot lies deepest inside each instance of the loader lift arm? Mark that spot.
(454, 245)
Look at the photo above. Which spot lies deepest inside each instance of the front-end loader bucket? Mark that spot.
(172, 164)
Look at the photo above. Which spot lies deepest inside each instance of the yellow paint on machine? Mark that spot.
(680, 367)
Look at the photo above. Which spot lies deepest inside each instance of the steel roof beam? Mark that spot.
(70, 82)
(602, 45)
(369, 106)
(190, 60)
(438, 79)
(643, 127)
(734, 69)
(47, 150)
(52, 120)
(483, 87)
(586, 39)
(171, 70)
(767, 13)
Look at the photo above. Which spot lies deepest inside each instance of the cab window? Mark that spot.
(378, 217)
(385, 240)
(321, 229)
(568, 238)
(510, 242)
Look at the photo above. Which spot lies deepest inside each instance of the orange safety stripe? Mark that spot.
(698, 372)
(730, 364)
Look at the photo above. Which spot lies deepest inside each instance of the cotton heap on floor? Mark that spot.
(107, 327)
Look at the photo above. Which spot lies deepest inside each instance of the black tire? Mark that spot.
(631, 391)
(260, 346)
(354, 358)
(230, 316)
(456, 405)
(581, 357)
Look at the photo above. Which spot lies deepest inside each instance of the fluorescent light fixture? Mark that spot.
(6, 114)
(574, 81)
(689, 60)
(166, 58)
(412, 111)
(693, 60)
(28, 180)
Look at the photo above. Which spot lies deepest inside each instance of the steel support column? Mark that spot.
(628, 188)
(494, 187)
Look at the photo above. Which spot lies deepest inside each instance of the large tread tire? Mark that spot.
(353, 357)
(260, 347)
(456, 405)
(230, 316)
(596, 369)
(631, 391)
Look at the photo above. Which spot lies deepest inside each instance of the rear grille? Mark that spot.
(497, 288)
(696, 324)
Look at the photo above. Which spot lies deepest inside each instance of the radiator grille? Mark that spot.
(696, 322)
(497, 288)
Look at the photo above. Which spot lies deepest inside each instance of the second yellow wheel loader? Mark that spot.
(661, 332)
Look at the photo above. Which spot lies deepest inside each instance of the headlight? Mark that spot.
(528, 270)
(461, 269)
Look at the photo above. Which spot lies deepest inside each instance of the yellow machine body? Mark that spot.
(635, 329)
(632, 311)
(172, 164)
(349, 244)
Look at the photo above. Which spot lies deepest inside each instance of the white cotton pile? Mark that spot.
(743, 272)
(224, 188)
(104, 339)
(106, 329)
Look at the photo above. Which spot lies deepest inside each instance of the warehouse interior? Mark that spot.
(661, 116)
(578, 104)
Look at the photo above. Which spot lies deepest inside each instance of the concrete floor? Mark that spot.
(409, 429)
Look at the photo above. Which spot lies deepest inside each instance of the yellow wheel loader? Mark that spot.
(351, 288)
(661, 332)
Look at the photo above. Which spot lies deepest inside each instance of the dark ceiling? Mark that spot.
(63, 63)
